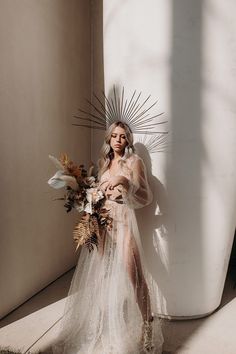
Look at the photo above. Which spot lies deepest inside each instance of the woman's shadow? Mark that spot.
(152, 223)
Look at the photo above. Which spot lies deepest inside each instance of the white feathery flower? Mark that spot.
(93, 195)
(56, 181)
(60, 180)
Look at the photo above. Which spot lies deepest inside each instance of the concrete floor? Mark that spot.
(32, 327)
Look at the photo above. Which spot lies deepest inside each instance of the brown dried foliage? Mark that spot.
(71, 168)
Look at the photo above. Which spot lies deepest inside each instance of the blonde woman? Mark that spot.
(112, 302)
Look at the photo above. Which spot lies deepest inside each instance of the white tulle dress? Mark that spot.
(101, 314)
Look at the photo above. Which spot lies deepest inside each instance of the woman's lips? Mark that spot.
(117, 145)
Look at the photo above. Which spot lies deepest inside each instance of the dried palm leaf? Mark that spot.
(56, 162)
(81, 231)
(86, 232)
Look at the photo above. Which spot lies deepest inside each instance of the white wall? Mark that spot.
(183, 53)
(44, 76)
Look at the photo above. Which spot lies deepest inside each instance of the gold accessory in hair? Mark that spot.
(133, 112)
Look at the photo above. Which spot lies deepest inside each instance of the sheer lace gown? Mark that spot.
(106, 300)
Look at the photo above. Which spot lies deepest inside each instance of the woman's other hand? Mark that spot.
(115, 181)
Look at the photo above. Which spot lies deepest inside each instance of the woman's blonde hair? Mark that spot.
(107, 152)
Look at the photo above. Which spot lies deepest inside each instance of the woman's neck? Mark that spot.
(117, 156)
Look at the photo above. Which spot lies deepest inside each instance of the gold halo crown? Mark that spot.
(135, 112)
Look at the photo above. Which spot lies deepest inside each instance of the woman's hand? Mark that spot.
(115, 181)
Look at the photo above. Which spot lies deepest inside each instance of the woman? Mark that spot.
(112, 297)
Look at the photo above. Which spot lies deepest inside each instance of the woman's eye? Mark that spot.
(121, 136)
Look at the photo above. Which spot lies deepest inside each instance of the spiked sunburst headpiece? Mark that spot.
(135, 112)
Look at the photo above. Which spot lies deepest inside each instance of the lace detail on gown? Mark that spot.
(102, 311)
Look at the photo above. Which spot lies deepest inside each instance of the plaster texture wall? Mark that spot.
(183, 53)
(45, 72)
(97, 69)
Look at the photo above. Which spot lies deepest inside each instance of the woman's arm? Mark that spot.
(135, 190)
(116, 181)
(139, 193)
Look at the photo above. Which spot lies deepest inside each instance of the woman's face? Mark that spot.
(118, 140)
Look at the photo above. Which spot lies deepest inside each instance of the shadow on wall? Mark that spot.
(184, 164)
(153, 231)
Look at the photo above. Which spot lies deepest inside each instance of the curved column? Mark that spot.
(173, 50)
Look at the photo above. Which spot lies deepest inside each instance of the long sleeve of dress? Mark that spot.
(139, 193)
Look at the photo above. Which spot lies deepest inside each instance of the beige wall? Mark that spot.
(97, 68)
(44, 77)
